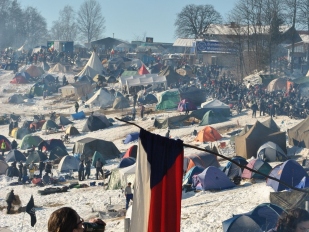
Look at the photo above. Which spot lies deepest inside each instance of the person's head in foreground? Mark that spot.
(293, 220)
(65, 219)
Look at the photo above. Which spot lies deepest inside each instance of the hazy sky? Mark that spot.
(128, 19)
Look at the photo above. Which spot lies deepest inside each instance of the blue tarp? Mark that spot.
(131, 137)
(78, 115)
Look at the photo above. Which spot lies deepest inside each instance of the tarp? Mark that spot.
(88, 71)
(87, 146)
(36, 157)
(290, 172)
(58, 68)
(15, 155)
(30, 140)
(78, 115)
(101, 98)
(299, 134)
(203, 160)
(168, 99)
(289, 199)
(131, 137)
(71, 130)
(208, 134)
(211, 118)
(271, 152)
(120, 103)
(258, 165)
(217, 107)
(68, 163)
(247, 145)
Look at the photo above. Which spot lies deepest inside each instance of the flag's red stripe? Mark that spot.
(165, 203)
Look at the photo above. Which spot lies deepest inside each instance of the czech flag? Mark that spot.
(158, 184)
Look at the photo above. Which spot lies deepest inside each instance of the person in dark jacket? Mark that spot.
(88, 167)
(41, 168)
(254, 108)
(9, 200)
(99, 168)
(76, 106)
(25, 173)
(14, 144)
(142, 111)
(20, 169)
(48, 168)
(81, 168)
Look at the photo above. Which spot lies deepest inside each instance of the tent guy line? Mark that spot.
(226, 158)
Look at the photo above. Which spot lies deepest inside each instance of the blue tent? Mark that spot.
(289, 172)
(78, 115)
(126, 162)
(131, 137)
(213, 178)
(232, 170)
(193, 171)
(262, 218)
(304, 183)
(15, 155)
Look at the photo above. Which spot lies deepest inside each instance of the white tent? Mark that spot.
(68, 163)
(146, 81)
(88, 71)
(101, 98)
(58, 68)
(95, 63)
(214, 103)
(127, 175)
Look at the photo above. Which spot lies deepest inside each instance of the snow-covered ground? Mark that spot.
(203, 211)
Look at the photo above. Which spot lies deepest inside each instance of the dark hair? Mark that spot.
(289, 220)
(63, 220)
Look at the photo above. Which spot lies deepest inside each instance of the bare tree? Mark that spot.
(140, 37)
(303, 14)
(194, 20)
(90, 20)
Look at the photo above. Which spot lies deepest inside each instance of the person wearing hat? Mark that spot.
(129, 195)
(10, 197)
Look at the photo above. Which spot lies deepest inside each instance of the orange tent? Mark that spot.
(143, 70)
(131, 152)
(208, 134)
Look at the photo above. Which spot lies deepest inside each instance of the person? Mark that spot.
(292, 220)
(11, 127)
(142, 111)
(167, 135)
(20, 169)
(3, 147)
(48, 167)
(44, 94)
(129, 195)
(76, 106)
(187, 108)
(134, 100)
(32, 168)
(262, 108)
(99, 166)
(14, 144)
(81, 168)
(64, 80)
(133, 113)
(254, 108)
(25, 174)
(88, 167)
(46, 179)
(10, 197)
(41, 168)
(75, 78)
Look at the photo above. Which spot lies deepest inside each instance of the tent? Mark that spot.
(71, 130)
(271, 152)
(262, 218)
(213, 178)
(187, 180)
(63, 121)
(19, 133)
(193, 94)
(87, 147)
(94, 63)
(168, 99)
(95, 123)
(78, 115)
(101, 98)
(131, 137)
(126, 162)
(3, 167)
(203, 160)
(143, 70)
(232, 170)
(170, 122)
(277, 84)
(16, 99)
(271, 124)
(56, 153)
(7, 142)
(148, 99)
(88, 71)
(199, 114)
(45, 66)
(120, 177)
(52, 143)
(217, 107)
(208, 134)
(190, 105)
(58, 68)
(289, 172)
(30, 140)
(19, 79)
(170, 75)
(258, 165)
(131, 152)
(212, 118)
(36, 156)
(36, 125)
(15, 155)
(98, 78)
(77, 90)
(120, 103)
(299, 134)
(34, 71)
(248, 144)
(68, 163)
(50, 124)
(37, 89)
(97, 155)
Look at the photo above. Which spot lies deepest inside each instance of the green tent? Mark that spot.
(168, 99)
(37, 90)
(57, 152)
(50, 124)
(212, 118)
(170, 122)
(30, 140)
(36, 156)
(95, 158)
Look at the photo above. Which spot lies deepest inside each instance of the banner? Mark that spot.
(211, 46)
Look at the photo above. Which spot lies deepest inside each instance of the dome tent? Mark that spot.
(68, 163)
(71, 130)
(15, 155)
(120, 103)
(96, 122)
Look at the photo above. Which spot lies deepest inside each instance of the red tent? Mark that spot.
(19, 80)
(131, 152)
(143, 70)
